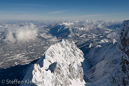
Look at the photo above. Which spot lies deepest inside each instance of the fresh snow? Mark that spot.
(61, 66)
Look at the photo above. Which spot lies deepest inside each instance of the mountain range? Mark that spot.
(78, 53)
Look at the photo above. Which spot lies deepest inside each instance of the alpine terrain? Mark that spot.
(59, 66)
(105, 63)
(67, 53)
(64, 43)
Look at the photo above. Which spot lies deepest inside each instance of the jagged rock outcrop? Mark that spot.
(59, 66)
(124, 37)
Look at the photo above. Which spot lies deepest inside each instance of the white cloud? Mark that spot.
(23, 33)
(10, 37)
(112, 35)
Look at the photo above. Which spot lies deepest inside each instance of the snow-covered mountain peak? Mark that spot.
(64, 51)
(61, 66)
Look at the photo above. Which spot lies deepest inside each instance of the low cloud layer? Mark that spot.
(20, 33)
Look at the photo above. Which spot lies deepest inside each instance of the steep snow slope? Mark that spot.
(109, 64)
(102, 63)
(59, 66)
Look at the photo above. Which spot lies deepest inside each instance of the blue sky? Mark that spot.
(64, 9)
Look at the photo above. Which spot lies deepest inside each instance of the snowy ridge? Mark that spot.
(61, 66)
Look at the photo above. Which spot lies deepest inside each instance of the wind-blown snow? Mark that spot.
(61, 66)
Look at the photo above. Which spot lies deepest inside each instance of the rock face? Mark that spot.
(124, 46)
(124, 37)
(121, 73)
(59, 66)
